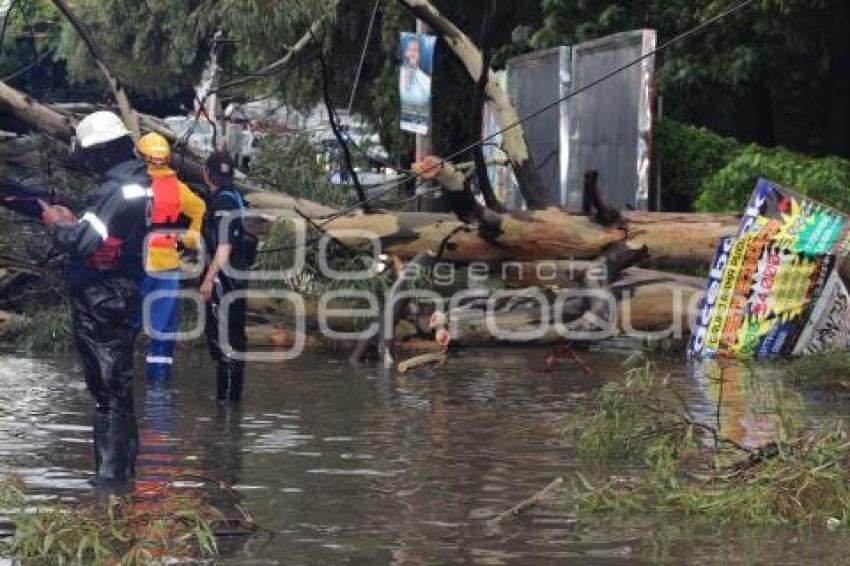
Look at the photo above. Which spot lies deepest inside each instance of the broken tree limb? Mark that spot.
(337, 132)
(517, 510)
(483, 176)
(127, 112)
(513, 139)
(459, 194)
(37, 115)
(430, 358)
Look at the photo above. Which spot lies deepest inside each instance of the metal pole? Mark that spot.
(424, 144)
(658, 158)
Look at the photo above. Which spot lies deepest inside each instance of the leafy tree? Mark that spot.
(768, 74)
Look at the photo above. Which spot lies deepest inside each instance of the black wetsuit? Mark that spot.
(104, 297)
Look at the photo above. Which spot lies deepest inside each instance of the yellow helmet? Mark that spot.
(154, 149)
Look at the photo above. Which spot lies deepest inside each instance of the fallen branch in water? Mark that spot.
(438, 358)
(517, 510)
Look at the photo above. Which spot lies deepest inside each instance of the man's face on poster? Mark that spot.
(411, 53)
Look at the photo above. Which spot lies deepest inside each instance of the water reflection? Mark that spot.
(749, 405)
(367, 466)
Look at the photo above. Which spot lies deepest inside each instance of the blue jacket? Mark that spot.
(117, 209)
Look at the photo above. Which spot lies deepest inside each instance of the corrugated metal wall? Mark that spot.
(607, 128)
(610, 125)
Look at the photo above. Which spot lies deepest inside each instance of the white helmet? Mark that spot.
(100, 127)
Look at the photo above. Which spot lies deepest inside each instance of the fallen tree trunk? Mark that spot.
(551, 234)
(650, 305)
(39, 116)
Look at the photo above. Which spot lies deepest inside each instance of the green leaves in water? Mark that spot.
(689, 470)
(139, 529)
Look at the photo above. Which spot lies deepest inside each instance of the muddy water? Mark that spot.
(363, 466)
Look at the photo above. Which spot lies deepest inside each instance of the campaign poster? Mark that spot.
(417, 67)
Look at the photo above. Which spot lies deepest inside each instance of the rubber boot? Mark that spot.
(114, 445)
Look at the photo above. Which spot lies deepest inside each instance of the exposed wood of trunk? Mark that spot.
(35, 114)
(423, 262)
(550, 234)
(657, 302)
(127, 112)
(543, 234)
(513, 140)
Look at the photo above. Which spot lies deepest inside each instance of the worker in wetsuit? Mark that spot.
(103, 274)
(174, 206)
(224, 232)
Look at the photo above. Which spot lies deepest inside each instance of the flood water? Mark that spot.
(364, 466)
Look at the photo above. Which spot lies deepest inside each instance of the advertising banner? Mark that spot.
(773, 290)
(417, 66)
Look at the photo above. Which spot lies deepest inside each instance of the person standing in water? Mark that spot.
(228, 247)
(175, 206)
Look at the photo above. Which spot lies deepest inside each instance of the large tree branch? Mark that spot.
(60, 125)
(513, 139)
(484, 186)
(121, 98)
(284, 62)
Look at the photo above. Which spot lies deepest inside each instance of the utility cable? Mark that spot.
(363, 56)
(677, 39)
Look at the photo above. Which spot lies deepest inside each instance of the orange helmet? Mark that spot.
(154, 149)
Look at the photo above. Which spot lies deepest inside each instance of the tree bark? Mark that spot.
(656, 302)
(37, 115)
(513, 139)
(551, 234)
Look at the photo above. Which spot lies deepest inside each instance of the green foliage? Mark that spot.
(689, 156)
(714, 173)
(804, 482)
(801, 478)
(632, 419)
(116, 530)
(823, 372)
(294, 163)
(758, 75)
(161, 46)
(824, 179)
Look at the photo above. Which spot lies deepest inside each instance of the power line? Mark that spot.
(677, 39)
(363, 56)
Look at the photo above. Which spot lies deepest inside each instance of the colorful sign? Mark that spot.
(774, 286)
(417, 65)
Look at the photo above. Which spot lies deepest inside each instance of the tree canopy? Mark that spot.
(774, 74)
